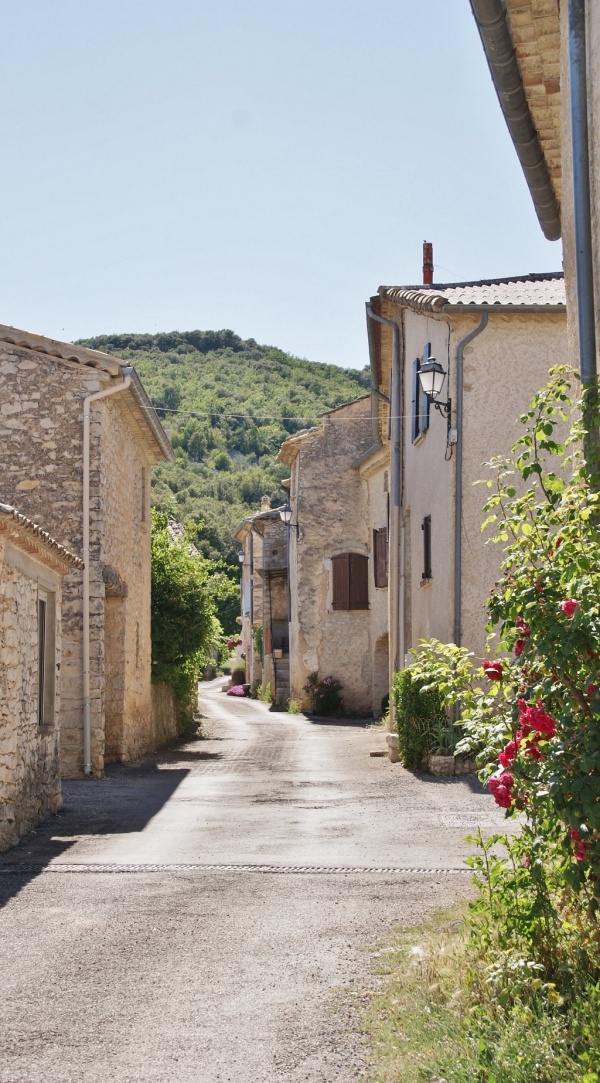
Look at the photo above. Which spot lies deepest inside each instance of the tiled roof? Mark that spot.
(540, 290)
(27, 535)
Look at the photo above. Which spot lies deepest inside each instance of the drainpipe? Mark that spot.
(584, 275)
(87, 402)
(458, 496)
(396, 579)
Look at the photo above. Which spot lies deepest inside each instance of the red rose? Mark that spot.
(493, 670)
(503, 797)
(569, 606)
(507, 780)
(508, 754)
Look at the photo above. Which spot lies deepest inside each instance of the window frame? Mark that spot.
(46, 657)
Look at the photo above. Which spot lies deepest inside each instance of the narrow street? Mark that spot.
(244, 877)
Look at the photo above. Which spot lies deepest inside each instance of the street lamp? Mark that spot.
(432, 376)
(285, 514)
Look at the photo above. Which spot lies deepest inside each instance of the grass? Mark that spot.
(435, 1019)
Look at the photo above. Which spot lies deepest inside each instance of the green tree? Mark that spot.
(184, 623)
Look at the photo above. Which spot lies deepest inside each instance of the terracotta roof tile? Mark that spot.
(535, 289)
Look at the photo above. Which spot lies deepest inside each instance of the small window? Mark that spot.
(426, 528)
(350, 581)
(420, 401)
(46, 659)
(380, 557)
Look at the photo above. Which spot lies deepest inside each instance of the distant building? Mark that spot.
(32, 566)
(264, 600)
(338, 620)
(78, 438)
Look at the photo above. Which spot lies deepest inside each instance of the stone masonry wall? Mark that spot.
(332, 512)
(41, 437)
(29, 756)
(121, 529)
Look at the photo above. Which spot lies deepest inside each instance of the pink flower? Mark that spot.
(507, 780)
(507, 756)
(581, 847)
(493, 784)
(569, 606)
(502, 796)
(237, 690)
(537, 719)
(493, 670)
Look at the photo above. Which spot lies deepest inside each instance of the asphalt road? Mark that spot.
(203, 915)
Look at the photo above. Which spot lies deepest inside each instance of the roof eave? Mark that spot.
(494, 31)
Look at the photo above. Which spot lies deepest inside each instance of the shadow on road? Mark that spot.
(122, 802)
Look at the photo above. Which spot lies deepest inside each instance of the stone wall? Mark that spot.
(331, 509)
(29, 755)
(165, 714)
(41, 445)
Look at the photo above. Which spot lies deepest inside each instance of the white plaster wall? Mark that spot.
(503, 369)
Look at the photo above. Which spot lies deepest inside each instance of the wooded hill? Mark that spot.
(228, 404)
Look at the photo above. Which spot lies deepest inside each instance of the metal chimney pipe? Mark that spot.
(427, 263)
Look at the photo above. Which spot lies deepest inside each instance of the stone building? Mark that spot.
(495, 340)
(264, 599)
(550, 97)
(78, 438)
(32, 566)
(338, 585)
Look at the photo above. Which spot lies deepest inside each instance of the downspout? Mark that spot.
(584, 275)
(87, 402)
(458, 496)
(396, 595)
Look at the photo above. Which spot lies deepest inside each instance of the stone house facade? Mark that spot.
(338, 591)
(78, 438)
(32, 567)
(495, 340)
(264, 600)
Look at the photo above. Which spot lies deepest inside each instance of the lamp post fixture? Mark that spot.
(432, 376)
(285, 514)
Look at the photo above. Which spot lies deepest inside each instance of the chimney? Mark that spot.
(265, 503)
(427, 263)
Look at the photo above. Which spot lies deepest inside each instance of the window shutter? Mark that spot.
(426, 528)
(424, 399)
(340, 566)
(380, 557)
(416, 411)
(359, 581)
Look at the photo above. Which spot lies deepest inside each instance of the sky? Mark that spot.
(260, 165)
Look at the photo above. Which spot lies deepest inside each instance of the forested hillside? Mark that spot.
(228, 404)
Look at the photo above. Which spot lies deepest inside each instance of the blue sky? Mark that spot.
(260, 165)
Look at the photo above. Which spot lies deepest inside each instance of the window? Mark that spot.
(426, 528)
(350, 581)
(46, 659)
(420, 401)
(380, 557)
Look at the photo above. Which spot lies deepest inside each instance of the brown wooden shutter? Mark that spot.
(341, 581)
(359, 581)
(380, 557)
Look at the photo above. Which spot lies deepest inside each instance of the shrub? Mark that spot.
(324, 694)
(257, 636)
(293, 707)
(420, 718)
(184, 626)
